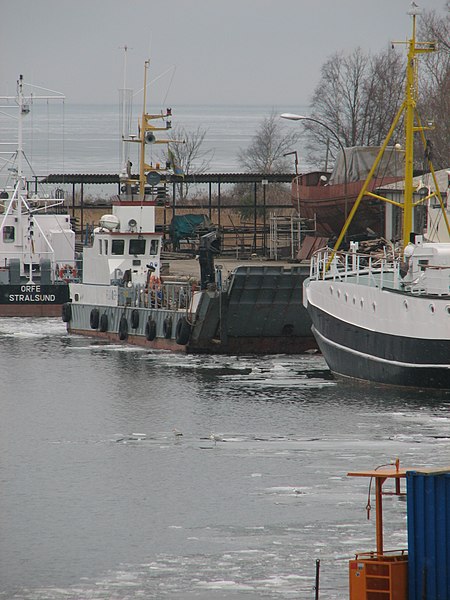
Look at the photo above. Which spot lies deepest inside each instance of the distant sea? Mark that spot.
(85, 138)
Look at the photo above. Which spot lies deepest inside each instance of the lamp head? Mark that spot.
(292, 117)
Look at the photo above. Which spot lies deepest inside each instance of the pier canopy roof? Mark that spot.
(94, 178)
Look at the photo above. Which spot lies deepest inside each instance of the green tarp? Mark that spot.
(188, 227)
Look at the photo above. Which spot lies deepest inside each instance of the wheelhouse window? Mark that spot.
(154, 245)
(106, 246)
(117, 247)
(137, 246)
(9, 234)
(100, 247)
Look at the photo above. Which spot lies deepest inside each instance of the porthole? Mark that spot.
(405, 304)
(374, 306)
(339, 293)
(354, 300)
(447, 308)
(361, 302)
(77, 297)
(346, 297)
(331, 289)
(431, 308)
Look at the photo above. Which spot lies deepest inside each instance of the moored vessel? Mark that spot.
(37, 242)
(124, 295)
(385, 317)
(326, 199)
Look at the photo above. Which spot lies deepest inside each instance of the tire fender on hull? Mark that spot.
(103, 323)
(94, 318)
(123, 328)
(66, 312)
(183, 331)
(167, 328)
(150, 330)
(135, 319)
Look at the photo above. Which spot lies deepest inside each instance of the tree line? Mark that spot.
(357, 96)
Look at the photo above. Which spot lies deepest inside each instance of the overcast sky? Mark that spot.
(218, 51)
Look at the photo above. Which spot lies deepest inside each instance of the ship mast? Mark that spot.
(147, 136)
(125, 96)
(412, 126)
(23, 104)
(22, 111)
(410, 105)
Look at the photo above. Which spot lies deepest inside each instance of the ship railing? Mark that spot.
(368, 269)
(400, 554)
(170, 296)
(433, 279)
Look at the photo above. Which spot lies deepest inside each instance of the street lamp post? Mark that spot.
(294, 117)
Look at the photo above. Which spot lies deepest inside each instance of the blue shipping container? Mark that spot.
(428, 509)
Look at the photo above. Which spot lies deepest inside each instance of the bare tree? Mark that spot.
(434, 99)
(357, 97)
(382, 96)
(435, 27)
(270, 142)
(187, 154)
(265, 154)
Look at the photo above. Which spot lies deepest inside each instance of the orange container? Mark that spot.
(379, 577)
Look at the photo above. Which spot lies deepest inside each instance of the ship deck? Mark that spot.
(190, 267)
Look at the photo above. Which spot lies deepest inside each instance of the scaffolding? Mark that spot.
(286, 235)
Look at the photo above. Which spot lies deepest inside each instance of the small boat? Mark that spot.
(384, 317)
(37, 242)
(125, 297)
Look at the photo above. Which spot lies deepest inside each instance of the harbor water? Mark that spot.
(241, 505)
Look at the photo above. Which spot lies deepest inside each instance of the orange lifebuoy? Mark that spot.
(67, 272)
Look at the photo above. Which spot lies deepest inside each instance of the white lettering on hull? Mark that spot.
(32, 297)
(31, 293)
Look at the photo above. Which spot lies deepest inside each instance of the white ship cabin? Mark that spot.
(125, 249)
(44, 240)
(428, 267)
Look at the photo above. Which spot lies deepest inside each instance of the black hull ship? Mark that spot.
(37, 243)
(384, 317)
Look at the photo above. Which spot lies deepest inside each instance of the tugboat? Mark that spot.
(123, 295)
(385, 317)
(37, 243)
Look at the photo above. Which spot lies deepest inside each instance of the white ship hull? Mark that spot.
(381, 334)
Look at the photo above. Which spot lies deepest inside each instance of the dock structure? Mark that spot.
(268, 224)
